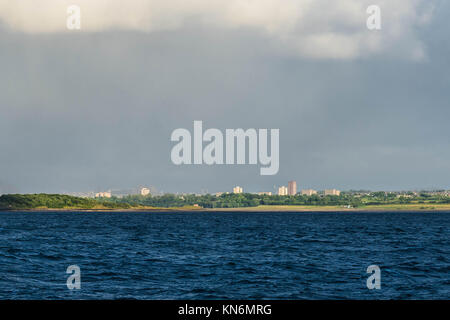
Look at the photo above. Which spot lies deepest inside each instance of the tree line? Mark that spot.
(227, 200)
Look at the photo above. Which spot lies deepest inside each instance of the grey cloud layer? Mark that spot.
(311, 28)
(95, 111)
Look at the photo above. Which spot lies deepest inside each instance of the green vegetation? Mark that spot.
(53, 201)
(347, 199)
(366, 200)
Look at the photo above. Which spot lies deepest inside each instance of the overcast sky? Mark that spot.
(93, 109)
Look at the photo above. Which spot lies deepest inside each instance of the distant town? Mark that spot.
(289, 190)
(287, 198)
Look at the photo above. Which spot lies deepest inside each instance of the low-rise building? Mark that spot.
(332, 192)
(265, 193)
(237, 189)
(106, 194)
(308, 192)
(218, 194)
(282, 191)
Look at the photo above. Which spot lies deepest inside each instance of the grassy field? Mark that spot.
(264, 208)
(391, 207)
(107, 209)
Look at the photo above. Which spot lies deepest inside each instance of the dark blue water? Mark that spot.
(224, 255)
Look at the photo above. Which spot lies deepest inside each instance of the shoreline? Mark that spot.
(260, 209)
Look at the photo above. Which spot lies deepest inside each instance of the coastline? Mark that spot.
(261, 209)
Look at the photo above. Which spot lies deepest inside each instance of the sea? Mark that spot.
(224, 255)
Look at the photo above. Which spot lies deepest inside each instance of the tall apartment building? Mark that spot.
(144, 191)
(332, 192)
(308, 192)
(292, 188)
(282, 191)
(237, 189)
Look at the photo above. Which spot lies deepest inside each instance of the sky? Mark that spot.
(94, 108)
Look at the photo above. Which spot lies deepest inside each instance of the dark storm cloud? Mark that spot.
(95, 111)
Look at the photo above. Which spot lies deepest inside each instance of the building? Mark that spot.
(265, 193)
(106, 194)
(292, 188)
(282, 191)
(332, 192)
(237, 189)
(218, 194)
(308, 192)
(144, 191)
